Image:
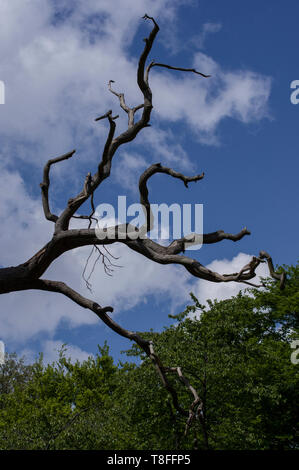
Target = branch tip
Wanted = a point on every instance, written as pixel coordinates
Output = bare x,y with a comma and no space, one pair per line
104,116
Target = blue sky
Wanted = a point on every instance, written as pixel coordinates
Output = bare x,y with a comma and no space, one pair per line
239,127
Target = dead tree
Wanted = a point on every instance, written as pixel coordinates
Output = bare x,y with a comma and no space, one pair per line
29,275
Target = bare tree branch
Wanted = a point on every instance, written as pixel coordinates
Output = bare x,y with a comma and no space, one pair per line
158,168
278,276
112,143
220,235
155,64
130,111
46,184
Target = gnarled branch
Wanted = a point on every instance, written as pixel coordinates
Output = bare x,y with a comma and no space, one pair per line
45,184
170,67
130,111
143,190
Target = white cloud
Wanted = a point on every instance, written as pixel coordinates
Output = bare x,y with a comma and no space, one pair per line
128,170
207,28
165,147
138,279
161,146
56,60
51,351
203,103
24,229
224,290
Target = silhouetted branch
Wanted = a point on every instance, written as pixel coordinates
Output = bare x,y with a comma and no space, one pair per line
170,67
46,184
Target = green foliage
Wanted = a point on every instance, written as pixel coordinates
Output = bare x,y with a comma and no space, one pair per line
236,353
14,372
37,415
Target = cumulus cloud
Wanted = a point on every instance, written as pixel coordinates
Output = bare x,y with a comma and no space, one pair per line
164,144
25,229
161,145
207,28
56,60
51,351
240,94
128,170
